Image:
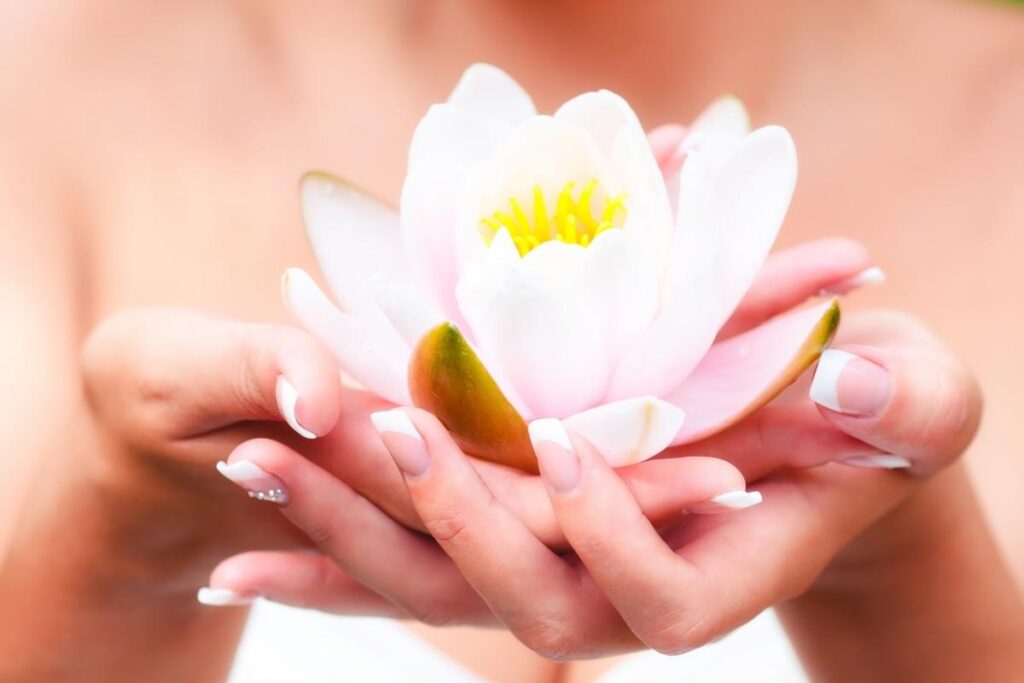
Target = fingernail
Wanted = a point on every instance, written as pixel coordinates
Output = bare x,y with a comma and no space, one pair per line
559,466
287,397
223,597
881,461
865,278
402,440
850,384
728,502
260,484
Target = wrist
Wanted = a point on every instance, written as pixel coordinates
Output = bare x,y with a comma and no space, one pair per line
923,590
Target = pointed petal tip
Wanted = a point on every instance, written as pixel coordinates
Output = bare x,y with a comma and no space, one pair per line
725,115
628,431
317,182
447,378
743,373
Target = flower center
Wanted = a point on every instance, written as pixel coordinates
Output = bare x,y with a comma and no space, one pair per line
572,222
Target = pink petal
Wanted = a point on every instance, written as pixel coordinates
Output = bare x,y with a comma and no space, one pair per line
554,321
743,373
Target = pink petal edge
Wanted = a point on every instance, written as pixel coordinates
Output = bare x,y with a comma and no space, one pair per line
743,373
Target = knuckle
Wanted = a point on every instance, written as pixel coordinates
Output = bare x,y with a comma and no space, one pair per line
248,387
550,638
449,527
677,638
428,613
104,350
122,380
323,532
675,629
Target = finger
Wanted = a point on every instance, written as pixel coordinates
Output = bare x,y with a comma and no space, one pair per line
301,579
639,573
664,489
170,374
749,558
533,591
791,276
913,400
369,546
780,436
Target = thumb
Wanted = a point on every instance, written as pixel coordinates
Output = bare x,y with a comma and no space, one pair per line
913,399
159,375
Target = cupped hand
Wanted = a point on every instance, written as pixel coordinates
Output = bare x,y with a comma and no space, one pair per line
630,583
172,391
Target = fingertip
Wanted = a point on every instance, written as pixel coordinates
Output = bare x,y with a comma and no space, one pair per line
308,389
287,399
223,597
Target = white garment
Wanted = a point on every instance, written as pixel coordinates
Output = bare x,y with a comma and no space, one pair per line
288,644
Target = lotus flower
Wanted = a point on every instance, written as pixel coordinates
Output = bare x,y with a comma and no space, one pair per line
542,266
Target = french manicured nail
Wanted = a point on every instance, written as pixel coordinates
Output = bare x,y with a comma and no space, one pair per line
260,484
287,397
728,501
403,441
850,384
223,597
881,461
865,278
559,465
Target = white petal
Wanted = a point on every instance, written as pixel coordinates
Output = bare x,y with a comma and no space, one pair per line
448,131
354,238
628,431
728,217
411,315
724,116
554,322
687,321
428,218
751,197
367,350
492,97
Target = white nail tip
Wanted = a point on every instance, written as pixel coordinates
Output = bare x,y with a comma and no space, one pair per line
738,500
287,397
222,597
865,278
394,421
886,462
824,386
549,429
241,471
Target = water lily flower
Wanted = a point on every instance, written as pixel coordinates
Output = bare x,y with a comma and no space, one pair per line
543,267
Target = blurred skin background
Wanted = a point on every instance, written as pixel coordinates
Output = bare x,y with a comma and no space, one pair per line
149,154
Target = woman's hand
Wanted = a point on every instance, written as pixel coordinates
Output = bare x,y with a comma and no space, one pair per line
627,585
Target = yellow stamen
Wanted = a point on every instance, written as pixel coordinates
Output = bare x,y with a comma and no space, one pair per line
583,206
540,215
573,221
522,222
570,236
